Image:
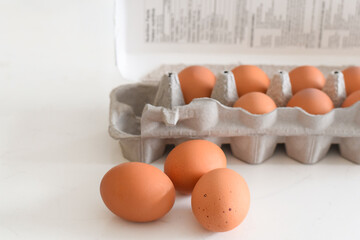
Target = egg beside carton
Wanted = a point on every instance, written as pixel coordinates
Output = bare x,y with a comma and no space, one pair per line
165,119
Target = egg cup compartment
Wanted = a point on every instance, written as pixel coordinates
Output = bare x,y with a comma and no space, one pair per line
147,116
253,149
307,149
350,149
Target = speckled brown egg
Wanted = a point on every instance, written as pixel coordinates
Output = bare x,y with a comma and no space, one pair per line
306,77
250,78
196,82
220,200
188,161
352,79
352,99
256,103
312,100
137,192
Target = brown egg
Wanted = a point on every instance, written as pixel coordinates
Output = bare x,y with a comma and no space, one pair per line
137,192
306,77
250,78
256,103
220,200
312,100
352,79
196,82
352,99
188,161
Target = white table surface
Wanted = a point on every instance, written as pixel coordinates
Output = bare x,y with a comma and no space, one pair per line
56,71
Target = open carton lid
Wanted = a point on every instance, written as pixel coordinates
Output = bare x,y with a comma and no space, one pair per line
150,33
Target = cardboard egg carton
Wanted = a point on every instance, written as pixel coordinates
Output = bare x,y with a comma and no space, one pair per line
147,116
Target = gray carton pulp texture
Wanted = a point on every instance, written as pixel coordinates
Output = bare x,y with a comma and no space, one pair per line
147,116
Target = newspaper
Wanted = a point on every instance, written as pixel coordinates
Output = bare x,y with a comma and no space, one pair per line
273,24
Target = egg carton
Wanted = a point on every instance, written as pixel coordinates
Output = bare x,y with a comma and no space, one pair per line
145,117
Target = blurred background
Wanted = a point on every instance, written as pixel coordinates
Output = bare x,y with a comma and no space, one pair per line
49,48
57,67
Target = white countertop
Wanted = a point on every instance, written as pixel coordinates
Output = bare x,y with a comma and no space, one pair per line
56,71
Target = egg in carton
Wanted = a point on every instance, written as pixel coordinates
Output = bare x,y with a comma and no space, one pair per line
147,116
